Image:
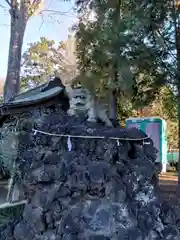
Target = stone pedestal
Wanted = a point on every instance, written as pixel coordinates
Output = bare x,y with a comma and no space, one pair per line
89,188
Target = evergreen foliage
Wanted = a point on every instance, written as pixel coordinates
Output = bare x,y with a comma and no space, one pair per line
45,58
164,106
116,50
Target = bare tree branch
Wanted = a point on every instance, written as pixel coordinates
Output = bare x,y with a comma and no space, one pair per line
166,43
8,2
4,25
51,13
56,12
42,21
2,6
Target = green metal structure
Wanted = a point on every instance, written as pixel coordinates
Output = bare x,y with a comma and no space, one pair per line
155,128
173,158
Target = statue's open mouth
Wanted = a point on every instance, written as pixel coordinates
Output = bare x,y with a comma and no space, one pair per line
79,104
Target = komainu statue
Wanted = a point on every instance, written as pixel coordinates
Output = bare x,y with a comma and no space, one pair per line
81,101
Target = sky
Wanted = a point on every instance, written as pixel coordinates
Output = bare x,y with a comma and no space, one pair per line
52,26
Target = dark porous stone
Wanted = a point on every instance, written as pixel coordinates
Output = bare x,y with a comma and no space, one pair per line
23,231
170,233
45,173
89,188
49,235
145,220
167,214
135,234
121,233
153,235
119,194
98,238
6,230
63,191
69,225
34,218
51,158
49,219
45,196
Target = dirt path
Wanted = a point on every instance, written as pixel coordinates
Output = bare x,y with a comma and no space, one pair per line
168,184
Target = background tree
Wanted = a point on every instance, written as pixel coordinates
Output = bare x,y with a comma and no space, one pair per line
38,62
20,12
164,106
167,36
114,51
44,59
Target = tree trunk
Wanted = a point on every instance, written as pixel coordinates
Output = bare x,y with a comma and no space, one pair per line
113,104
113,108
18,26
113,96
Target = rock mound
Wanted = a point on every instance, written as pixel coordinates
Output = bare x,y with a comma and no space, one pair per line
85,188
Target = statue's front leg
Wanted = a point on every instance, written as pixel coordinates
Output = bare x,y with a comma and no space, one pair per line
92,115
71,112
104,118
108,123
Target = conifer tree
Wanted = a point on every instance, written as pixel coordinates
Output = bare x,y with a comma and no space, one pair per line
153,46
115,52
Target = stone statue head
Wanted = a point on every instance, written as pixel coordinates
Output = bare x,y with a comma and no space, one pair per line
80,98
